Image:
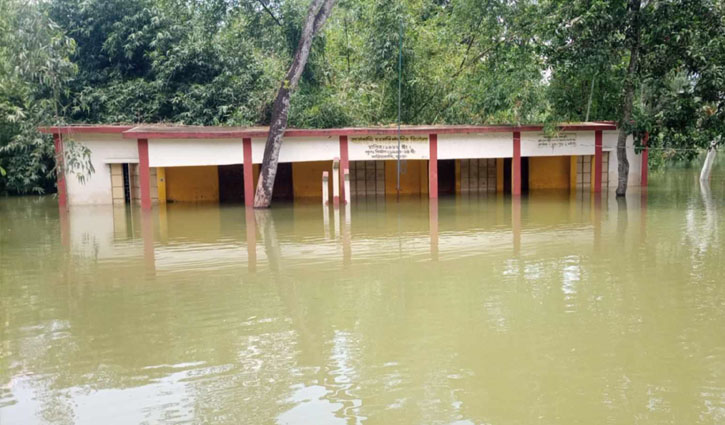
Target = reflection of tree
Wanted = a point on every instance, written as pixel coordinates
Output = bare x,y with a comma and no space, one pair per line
702,234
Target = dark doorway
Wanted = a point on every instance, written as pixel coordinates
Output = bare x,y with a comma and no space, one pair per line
283,189
447,177
507,175
126,184
231,183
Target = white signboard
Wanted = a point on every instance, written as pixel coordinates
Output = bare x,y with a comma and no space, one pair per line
571,143
386,147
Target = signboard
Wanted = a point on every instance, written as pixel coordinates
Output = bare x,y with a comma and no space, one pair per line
372,148
571,143
558,141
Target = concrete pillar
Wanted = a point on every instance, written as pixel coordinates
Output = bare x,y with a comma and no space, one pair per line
433,167
597,166
325,188
516,165
336,181
248,172
144,173
344,166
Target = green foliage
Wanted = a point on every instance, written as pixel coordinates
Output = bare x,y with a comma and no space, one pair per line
679,79
34,67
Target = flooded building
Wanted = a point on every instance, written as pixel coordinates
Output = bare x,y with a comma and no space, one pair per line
158,164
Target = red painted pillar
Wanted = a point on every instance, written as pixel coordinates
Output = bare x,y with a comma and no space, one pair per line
251,237
645,157
344,164
248,173
147,232
516,165
516,224
60,172
144,173
433,167
597,161
433,227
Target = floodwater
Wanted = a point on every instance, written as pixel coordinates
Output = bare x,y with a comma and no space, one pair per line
481,310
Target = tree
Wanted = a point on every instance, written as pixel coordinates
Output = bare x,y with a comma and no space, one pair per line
316,16
659,66
34,69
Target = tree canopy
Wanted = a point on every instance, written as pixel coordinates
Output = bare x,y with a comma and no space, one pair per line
219,62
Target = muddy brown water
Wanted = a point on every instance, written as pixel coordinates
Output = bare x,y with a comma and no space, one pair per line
555,309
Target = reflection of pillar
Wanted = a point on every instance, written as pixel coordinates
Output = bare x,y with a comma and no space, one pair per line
433,167
645,157
597,221
344,166
326,220
346,237
163,223
64,227
433,227
336,219
60,171
251,239
516,223
643,215
147,233
597,168
248,172
144,173
516,165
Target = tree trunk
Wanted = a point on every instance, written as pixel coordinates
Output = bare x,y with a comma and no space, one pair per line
633,36
316,17
709,159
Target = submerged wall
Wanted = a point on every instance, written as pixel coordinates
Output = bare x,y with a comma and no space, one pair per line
549,172
192,184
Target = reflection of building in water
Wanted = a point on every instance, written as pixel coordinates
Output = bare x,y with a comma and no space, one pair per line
159,164
204,237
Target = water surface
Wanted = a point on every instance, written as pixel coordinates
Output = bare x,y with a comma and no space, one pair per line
555,309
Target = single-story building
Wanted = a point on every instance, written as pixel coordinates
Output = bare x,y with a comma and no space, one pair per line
163,163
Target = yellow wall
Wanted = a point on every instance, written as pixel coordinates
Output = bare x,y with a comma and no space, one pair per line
307,178
410,177
572,172
192,184
161,183
549,172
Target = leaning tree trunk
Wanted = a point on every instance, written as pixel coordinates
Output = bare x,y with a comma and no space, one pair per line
316,17
628,98
709,159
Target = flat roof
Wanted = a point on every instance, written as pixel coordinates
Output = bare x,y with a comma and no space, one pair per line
220,132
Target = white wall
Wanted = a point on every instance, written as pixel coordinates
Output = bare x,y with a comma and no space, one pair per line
300,149
566,143
464,146
96,189
609,144
189,152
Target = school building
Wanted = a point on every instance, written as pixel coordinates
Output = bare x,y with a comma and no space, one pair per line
152,164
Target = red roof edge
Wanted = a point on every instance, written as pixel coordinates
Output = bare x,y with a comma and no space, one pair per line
81,129
151,132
